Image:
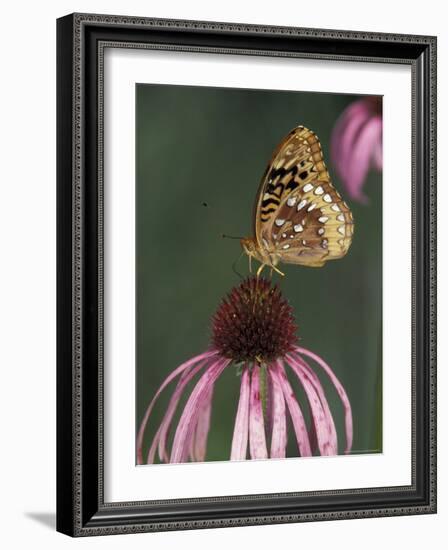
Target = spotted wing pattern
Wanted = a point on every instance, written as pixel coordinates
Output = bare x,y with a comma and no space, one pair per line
300,217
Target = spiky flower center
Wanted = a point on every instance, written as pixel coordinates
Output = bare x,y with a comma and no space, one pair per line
254,323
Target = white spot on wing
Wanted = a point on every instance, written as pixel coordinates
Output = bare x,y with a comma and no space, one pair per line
335,208
323,219
291,201
319,190
279,222
301,204
341,218
341,229
327,197
311,207
307,187
321,231
298,228
285,246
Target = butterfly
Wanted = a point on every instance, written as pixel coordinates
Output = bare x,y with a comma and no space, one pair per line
299,216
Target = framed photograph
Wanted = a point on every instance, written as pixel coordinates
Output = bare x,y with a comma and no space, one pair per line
246,274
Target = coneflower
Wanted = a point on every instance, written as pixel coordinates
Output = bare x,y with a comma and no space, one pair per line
253,330
357,144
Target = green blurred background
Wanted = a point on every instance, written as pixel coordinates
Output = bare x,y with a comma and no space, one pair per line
200,155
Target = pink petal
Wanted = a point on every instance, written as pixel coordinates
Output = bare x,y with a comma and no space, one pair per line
312,434
320,392
345,133
298,421
167,380
279,435
326,441
354,126
202,428
257,437
356,109
341,392
378,155
162,433
361,157
187,422
240,432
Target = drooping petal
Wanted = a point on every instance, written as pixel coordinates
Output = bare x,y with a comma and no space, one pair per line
320,392
378,156
312,434
354,110
354,127
345,134
187,422
361,157
279,435
295,412
172,376
327,442
341,392
202,428
162,433
241,429
257,437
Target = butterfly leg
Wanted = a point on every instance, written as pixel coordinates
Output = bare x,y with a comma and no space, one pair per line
277,270
260,269
273,267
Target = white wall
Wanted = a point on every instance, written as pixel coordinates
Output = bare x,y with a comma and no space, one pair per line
27,306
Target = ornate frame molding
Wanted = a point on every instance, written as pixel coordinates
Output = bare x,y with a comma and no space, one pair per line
82,39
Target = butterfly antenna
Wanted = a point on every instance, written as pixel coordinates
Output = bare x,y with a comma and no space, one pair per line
230,237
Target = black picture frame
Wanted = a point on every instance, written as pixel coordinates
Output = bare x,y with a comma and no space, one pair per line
81,39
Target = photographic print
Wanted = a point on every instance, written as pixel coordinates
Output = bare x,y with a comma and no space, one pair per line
258,274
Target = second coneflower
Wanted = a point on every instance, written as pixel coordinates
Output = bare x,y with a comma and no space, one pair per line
253,329
357,144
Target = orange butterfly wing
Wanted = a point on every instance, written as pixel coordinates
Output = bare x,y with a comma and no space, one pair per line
300,217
